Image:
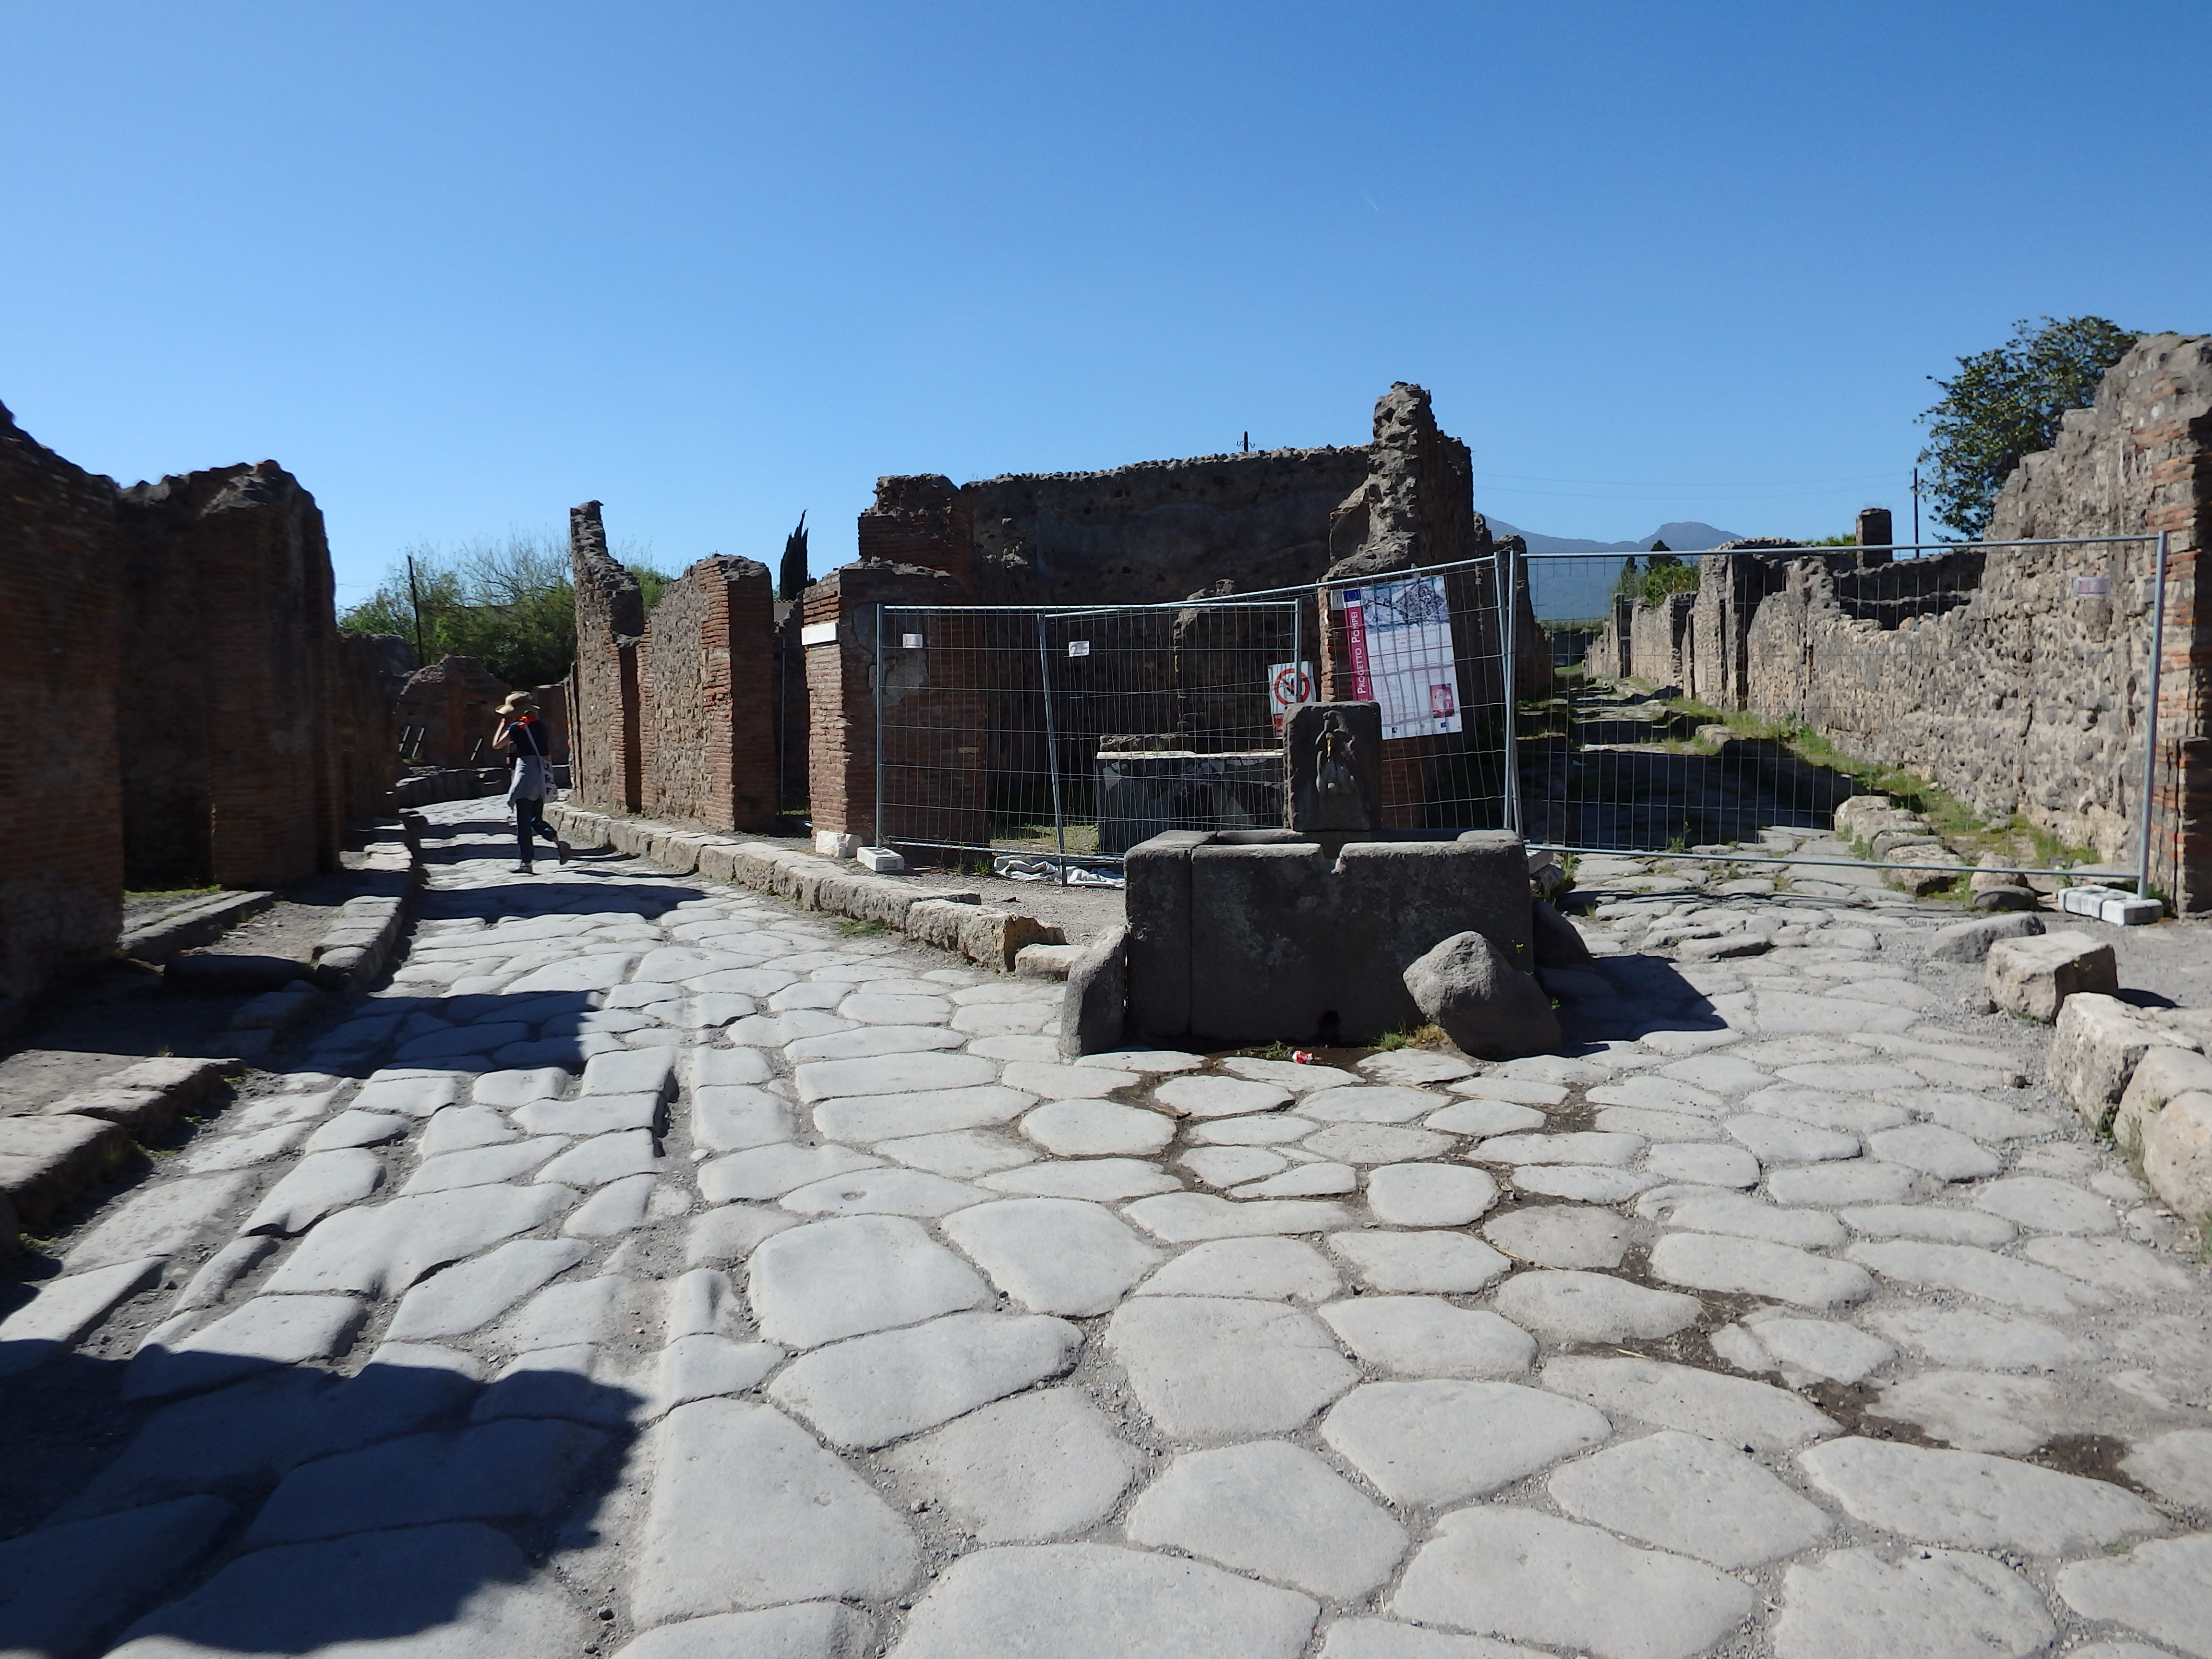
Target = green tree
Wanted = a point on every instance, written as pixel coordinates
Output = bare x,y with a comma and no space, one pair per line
1662,573
507,602
2006,403
790,575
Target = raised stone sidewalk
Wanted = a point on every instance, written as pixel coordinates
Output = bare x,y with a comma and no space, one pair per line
650,1269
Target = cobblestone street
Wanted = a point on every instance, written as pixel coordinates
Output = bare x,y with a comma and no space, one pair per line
651,1269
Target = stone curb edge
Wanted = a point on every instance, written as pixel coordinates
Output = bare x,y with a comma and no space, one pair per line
959,923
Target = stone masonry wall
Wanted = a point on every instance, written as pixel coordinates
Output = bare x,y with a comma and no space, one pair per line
61,819
606,746
452,709
707,698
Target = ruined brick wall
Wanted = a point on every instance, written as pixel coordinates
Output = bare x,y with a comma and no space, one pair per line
704,669
61,820
792,724
932,699
1655,641
607,747
364,718
1996,676
922,519
451,708
1159,531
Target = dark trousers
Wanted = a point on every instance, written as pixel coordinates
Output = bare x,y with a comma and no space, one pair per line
529,817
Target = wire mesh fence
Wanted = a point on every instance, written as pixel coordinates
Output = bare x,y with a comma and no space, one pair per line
1729,705
1071,735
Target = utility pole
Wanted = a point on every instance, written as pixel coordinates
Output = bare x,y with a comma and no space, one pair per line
1916,507
1248,443
414,596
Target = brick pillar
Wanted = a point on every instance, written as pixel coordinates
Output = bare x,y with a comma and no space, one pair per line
934,771
704,667
608,763
1874,530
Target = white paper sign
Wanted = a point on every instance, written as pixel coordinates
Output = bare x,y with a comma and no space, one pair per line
910,641
1078,647
1290,686
1398,636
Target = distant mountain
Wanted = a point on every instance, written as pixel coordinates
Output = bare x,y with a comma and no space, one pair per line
1575,589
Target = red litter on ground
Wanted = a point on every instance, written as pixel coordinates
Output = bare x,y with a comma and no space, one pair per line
1303,1056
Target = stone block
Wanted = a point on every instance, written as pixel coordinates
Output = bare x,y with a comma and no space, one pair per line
2094,1049
1332,754
1557,943
46,1161
2162,1074
142,1111
2177,1156
1095,1007
1970,941
2034,976
1485,1005
1851,813
978,933
1046,961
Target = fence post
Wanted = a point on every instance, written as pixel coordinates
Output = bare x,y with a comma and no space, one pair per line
1508,614
876,675
2150,724
1051,746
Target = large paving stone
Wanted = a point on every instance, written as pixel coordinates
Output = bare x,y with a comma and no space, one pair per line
1588,1147
2176,1466
1095,1601
884,1191
460,1591
1854,1181
1386,1638
1219,1097
1054,1256
810,1629
2112,1265
480,1166
1978,1272
588,1115
379,1250
1429,1194
1934,1149
1802,1350
602,1158
1303,1181
2043,1205
962,1154
830,1080
871,1118
158,1219
1786,1140
471,1295
702,1366
1272,1269
1974,1502
1485,1117
1085,1080
1375,1143
1427,1336
726,1235
1569,1306
1189,1218
60,1585
764,1172
510,1089
1370,1104
1264,1129
1974,1411
511,1471
1100,1180
1742,1217
853,1274
1517,1574
63,1310
1971,1338
1227,1166
1559,1236
1731,1409
1934,1603
1098,1128
1214,1367
408,1097
1752,1267
1685,1492
458,1128
269,1330
872,1390
871,1040
1420,1262
1583,1183
1705,1166
1273,1510
632,1072
1034,1466
352,1128
316,1186
747,1511
2163,1590
1938,1224
1441,1442
1289,1074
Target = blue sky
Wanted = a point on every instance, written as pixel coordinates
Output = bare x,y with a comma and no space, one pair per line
460,265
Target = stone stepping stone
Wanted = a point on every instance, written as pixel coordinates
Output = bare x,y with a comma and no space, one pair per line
1208,1367
1755,1266
1731,1409
1219,1097
884,1191
748,1510
379,1250
1098,1128
1372,1103
1980,1272
1103,1180
1054,1256
1561,1236
962,1154
871,1118
1528,1577
1429,1194
1427,1336
1922,1601
1022,1470
1096,1601
1974,1502
317,1185
1802,1350
1441,1442
1446,1263
1375,1143
1485,1117
768,1172
1273,1510
1269,1130
1189,1218
1272,1269
1566,1306
853,1275
872,1390
1692,1495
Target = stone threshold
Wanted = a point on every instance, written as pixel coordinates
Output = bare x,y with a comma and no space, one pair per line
959,922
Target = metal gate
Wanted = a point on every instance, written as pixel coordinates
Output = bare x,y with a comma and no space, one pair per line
1061,737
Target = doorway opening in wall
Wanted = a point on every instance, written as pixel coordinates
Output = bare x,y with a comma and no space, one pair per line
1937,718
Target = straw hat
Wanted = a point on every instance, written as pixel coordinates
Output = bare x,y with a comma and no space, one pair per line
516,702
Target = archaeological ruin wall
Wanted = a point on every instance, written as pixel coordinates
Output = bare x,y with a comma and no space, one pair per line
607,750
705,671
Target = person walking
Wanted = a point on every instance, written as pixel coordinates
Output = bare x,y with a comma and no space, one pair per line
521,738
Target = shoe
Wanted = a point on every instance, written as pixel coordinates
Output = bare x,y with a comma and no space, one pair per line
522,869
562,847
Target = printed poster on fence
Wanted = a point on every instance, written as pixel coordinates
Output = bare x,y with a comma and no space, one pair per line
1398,637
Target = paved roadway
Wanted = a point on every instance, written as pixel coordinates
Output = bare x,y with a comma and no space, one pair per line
652,1269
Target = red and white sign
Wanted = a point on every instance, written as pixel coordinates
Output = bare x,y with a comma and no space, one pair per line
1290,686
1398,641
